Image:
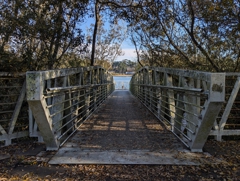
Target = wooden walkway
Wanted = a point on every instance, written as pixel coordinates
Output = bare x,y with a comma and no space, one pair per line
123,131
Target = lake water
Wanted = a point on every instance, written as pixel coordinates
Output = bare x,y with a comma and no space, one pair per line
121,82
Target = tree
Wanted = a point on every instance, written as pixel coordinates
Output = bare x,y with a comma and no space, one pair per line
121,66
191,33
41,32
105,8
133,40
97,9
109,43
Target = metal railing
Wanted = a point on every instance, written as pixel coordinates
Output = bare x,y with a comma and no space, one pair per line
13,107
61,100
186,101
228,121
176,97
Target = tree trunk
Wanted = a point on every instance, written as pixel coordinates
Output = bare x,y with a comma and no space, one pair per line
138,56
97,17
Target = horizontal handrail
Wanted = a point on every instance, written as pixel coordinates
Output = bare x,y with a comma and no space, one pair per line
173,88
70,88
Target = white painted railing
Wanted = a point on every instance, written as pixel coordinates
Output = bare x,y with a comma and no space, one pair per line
13,107
228,120
61,100
186,101
179,98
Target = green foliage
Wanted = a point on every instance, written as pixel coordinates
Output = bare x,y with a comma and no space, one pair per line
197,34
34,35
202,35
122,66
73,60
106,44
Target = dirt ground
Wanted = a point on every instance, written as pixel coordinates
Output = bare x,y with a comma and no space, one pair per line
24,163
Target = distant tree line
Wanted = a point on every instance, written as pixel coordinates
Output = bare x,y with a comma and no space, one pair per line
123,66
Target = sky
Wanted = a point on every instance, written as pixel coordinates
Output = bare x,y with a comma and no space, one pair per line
127,47
129,51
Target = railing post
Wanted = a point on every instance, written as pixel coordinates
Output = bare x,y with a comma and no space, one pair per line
58,107
141,95
16,112
87,94
191,111
87,102
228,108
35,97
158,94
179,112
150,90
154,93
68,107
171,101
145,82
95,81
212,106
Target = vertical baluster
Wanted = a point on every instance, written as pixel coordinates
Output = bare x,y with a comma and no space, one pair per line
179,125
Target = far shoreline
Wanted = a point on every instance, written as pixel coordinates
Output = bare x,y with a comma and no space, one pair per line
121,75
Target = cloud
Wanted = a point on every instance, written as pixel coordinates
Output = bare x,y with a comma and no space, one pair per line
129,53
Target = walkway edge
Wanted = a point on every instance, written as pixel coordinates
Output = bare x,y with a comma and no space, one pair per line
79,156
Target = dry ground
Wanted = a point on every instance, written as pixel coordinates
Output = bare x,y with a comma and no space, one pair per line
22,164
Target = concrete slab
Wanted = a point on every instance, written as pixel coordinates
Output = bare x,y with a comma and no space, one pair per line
44,156
4,156
79,156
